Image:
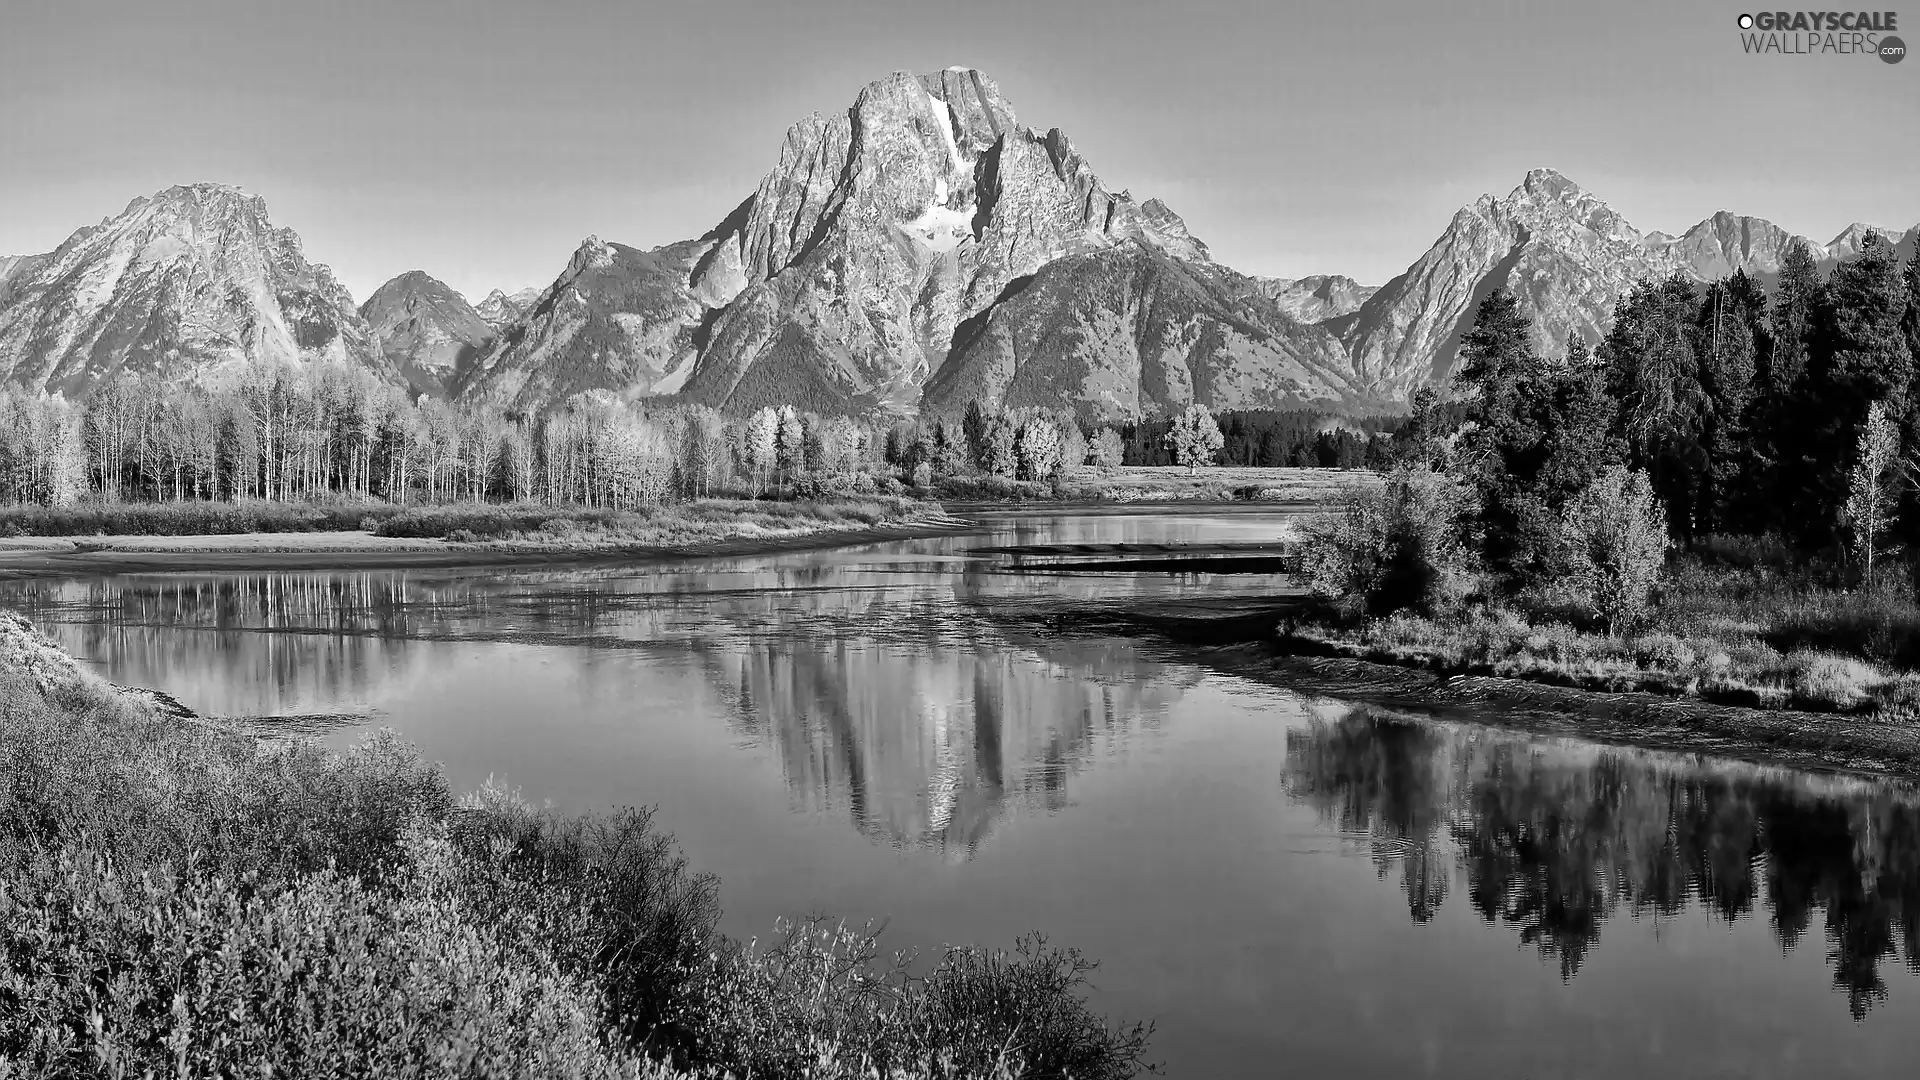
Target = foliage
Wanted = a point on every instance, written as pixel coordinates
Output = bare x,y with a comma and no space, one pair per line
1274,438
1616,535
1392,547
1870,495
180,899
189,518
332,432
1194,437
481,521
1534,433
978,1013
1105,450
1037,446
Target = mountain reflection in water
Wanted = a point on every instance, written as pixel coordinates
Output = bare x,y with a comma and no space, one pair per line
913,713
922,734
1555,837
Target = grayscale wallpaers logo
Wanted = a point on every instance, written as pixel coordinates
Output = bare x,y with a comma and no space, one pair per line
1823,33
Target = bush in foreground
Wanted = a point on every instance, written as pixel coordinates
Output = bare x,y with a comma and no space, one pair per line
177,899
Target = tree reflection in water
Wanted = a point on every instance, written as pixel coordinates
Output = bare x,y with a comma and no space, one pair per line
1554,837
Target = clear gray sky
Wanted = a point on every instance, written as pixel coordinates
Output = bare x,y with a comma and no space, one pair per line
481,141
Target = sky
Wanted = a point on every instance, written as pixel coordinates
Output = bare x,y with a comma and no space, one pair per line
481,142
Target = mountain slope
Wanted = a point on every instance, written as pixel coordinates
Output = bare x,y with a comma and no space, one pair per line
1727,242
1132,331
1568,257
500,310
190,283
848,271
616,319
1564,253
1317,297
427,332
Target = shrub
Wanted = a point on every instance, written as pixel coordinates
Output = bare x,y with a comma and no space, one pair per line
181,900
1393,547
1826,681
819,985
1616,537
323,976
186,518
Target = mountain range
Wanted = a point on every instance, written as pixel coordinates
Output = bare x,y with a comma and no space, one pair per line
921,250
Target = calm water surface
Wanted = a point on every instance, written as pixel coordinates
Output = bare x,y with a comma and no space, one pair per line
1285,884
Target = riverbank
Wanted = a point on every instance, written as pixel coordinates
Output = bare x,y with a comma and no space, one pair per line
1154,484
367,550
219,876
1249,638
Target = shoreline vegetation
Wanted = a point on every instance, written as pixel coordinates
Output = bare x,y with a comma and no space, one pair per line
1278,641
181,898
1716,507
472,534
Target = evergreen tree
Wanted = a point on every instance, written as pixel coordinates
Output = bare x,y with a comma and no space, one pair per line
1859,355
1502,451
974,427
1727,367
1578,430
1781,465
1654,373
1910,316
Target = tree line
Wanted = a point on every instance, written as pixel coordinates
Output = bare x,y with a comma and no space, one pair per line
335,431
1274,438
1744,413
1706,409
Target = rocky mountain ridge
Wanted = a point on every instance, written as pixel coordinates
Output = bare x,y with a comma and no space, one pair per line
848,273
918,251
428,332
1567,256
501,308
194,282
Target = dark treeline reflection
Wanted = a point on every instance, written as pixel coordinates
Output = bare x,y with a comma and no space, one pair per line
890,689
1554,838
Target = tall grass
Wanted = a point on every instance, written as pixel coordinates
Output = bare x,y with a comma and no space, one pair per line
677,523
189,518
178,899
1739,622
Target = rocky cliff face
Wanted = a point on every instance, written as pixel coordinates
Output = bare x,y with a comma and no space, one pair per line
1851,239
1131,331
1564,253
192,282
501,309
616,319
428,332
1317,297
842,281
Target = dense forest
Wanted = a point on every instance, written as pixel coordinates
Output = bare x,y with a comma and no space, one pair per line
1746,415
1706,413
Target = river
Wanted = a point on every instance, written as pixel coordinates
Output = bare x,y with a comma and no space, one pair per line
1284,884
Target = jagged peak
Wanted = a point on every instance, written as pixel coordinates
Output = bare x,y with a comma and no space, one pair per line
1853,234
1550,183
592,252
203,194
